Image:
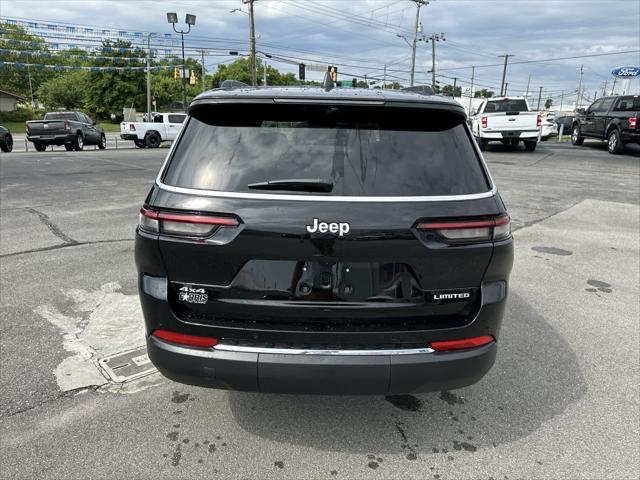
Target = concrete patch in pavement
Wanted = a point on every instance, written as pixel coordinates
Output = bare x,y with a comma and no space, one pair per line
97,326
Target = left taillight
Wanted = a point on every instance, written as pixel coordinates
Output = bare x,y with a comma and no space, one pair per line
633,123
497,228
539,121
187,225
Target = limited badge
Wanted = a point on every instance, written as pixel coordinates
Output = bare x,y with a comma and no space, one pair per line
193,295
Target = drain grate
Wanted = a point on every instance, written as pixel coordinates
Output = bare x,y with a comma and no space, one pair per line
126,366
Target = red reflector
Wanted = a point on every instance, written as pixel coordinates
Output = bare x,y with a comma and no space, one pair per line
184,339
539,121
633,122
484,122
448,345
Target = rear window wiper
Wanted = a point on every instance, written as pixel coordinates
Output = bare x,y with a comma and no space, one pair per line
295,185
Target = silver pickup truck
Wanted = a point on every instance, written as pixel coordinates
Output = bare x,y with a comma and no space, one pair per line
507,120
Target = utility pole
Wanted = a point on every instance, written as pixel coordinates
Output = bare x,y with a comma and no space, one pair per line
435,37
506,84
33,103
264,73
561,100
579,93
539,98
149,78
526,94
252,42
455,82
473,71
203,69
384,78
419,5
504,72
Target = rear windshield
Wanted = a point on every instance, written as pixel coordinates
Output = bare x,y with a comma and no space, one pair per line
361,151
506,105
61,116
628,104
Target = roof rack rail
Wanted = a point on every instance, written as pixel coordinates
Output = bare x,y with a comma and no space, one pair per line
232,85
421,89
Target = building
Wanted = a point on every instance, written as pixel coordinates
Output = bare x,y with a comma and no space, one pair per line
9,101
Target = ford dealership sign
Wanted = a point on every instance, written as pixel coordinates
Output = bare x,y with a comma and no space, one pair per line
626,72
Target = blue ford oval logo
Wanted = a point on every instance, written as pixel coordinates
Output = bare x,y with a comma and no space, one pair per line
626,72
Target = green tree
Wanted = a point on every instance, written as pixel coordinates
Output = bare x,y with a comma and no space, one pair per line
67,91
484,93
548,103
241,70
450,91
14,78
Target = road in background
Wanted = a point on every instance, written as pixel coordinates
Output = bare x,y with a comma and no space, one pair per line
561,402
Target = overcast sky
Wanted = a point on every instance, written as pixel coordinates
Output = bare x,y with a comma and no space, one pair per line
360,36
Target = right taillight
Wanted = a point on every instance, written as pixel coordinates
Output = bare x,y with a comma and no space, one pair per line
180,224
132,127
539,120
633,123
496,228
484,122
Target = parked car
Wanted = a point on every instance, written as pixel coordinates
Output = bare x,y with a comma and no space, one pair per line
74,130
165,127
614,119
549,129
309,241
507,120
6,140
567,122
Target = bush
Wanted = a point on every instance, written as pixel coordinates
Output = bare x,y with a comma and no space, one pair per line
22,114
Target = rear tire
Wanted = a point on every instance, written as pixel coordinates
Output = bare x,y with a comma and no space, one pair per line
614,144
576,139
78,143
6,144
530,146
482,144
140,143
152,140
68,147
103,142
39,146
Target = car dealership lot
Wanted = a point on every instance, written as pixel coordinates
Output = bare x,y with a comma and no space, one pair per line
561,401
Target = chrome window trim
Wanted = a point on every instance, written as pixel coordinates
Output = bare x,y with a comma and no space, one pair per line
300,351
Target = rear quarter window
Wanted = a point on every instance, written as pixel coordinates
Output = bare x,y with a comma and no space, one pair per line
362,151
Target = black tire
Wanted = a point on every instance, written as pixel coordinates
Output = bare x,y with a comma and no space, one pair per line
68,147
6,144
152,140
78,143
140,143
576,139
614,143
103,142
482,144
530,145
39,146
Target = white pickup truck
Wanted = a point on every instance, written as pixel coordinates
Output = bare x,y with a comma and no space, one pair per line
507,120
163,127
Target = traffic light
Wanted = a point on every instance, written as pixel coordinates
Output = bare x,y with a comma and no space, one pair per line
176,73
301,68
354,83
192,77
333,73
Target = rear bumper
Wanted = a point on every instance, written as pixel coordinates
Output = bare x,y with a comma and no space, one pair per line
509,134
56,138
374,374
629,136
129,136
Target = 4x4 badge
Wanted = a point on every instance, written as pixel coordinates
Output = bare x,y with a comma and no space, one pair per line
339,228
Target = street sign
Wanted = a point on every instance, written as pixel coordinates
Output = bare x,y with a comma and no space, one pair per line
626,72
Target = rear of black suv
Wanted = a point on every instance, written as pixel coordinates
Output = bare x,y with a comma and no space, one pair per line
342,242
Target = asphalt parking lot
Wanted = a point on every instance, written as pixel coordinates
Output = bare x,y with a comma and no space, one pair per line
562,400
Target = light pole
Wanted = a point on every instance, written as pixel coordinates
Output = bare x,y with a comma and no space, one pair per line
190,20
433,38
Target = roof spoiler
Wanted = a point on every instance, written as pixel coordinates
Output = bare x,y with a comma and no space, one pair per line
421,89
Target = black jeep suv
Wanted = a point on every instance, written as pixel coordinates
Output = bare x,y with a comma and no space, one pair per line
311,241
